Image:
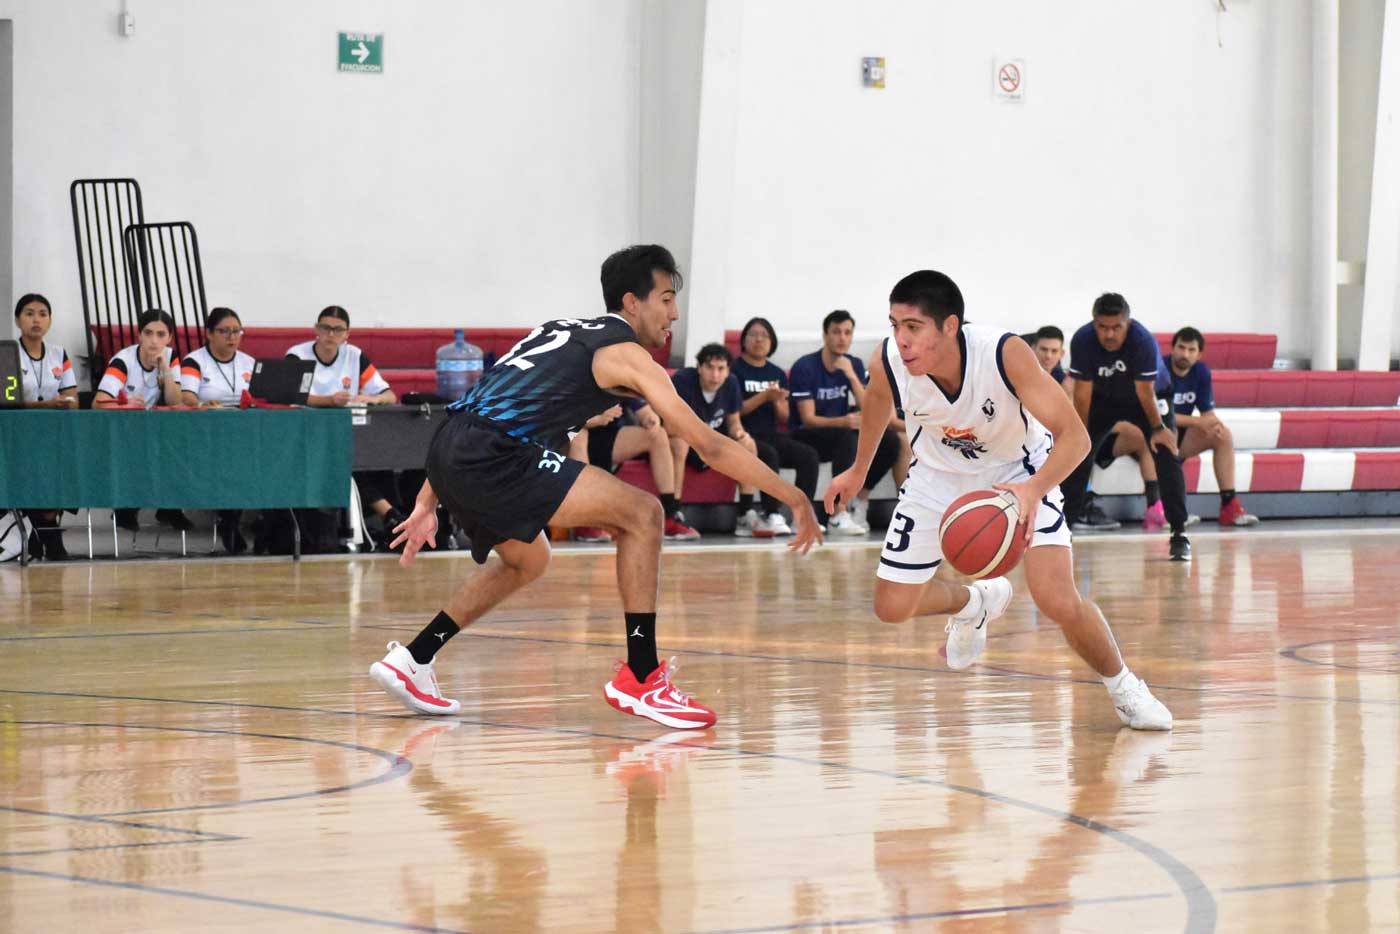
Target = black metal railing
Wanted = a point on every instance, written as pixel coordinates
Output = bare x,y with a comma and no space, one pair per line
166,272
103,208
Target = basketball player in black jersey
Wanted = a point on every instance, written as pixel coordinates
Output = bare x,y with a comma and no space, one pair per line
495,464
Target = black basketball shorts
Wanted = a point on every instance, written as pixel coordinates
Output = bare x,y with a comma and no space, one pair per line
495,487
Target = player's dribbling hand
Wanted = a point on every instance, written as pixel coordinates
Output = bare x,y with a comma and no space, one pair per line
419,529
1027,502
844,485
808,532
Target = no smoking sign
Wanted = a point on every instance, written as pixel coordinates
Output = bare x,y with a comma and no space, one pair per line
1009,79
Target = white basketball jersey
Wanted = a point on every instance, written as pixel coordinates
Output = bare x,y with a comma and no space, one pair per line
982,429
125,373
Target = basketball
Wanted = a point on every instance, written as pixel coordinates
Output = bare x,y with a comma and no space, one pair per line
979,535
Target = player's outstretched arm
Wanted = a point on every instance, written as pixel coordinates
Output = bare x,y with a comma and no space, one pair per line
877,408
628,366
420,528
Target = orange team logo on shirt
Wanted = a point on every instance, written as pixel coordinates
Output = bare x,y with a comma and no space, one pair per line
58,371
964,441
247,377
345,381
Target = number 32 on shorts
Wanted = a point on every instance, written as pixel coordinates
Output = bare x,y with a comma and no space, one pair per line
900,526
551,461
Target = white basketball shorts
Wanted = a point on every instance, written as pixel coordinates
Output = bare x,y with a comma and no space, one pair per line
912,552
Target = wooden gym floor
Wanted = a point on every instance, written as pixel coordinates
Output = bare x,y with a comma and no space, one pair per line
196,746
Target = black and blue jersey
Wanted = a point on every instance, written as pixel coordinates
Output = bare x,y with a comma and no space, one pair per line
544,388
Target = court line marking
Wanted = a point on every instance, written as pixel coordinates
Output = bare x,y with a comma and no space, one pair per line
170,632
1200,903
398,765
111,846
983,670
98,819
1293,652
934,915
229,900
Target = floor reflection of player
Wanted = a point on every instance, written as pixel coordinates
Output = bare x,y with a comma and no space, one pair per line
505,881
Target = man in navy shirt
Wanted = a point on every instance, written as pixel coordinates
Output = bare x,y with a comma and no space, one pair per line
823,384
713,395
765,389
1192,393
1119,375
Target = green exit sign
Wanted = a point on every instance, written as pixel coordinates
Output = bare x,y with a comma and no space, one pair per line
362,51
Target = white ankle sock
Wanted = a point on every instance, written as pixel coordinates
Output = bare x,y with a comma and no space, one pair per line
1118,680
973,608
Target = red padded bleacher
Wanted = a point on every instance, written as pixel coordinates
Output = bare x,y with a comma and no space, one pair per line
1377,470
389,348
701,486
1305,388
1339,429
1224,350
1232,351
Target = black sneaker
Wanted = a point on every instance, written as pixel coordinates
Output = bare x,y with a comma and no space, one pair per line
1094,519
175,519
126,519
52,542
1180,548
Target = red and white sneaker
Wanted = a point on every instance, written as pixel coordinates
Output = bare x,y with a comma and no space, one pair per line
411,684
1233,514
656,698
677,531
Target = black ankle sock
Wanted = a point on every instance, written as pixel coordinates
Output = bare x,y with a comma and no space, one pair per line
745,502
1152,492
668,504
641,644
1225,497
433,637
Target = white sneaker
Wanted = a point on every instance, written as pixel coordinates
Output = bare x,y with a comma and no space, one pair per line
411,684
968,637
858,509
1137,707
1192,519
843,523
776,524
748,524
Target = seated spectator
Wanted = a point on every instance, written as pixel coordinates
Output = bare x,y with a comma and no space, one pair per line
713,395
823,383
345,376
147,374
1049,346
1192,392
623,432
765,390
1120,376
216,376
46,382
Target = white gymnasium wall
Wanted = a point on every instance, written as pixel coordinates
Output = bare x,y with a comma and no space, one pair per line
478,181
1146,159
1359,72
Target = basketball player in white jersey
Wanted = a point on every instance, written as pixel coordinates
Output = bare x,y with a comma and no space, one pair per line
983,414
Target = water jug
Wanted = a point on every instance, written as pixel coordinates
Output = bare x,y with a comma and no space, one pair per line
458,366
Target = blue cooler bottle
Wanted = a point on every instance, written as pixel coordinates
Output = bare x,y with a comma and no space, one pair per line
458,367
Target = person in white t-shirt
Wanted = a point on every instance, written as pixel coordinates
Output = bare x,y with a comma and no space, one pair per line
217,374
213,377
985,415
46,382
46,373
345,376
146,373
